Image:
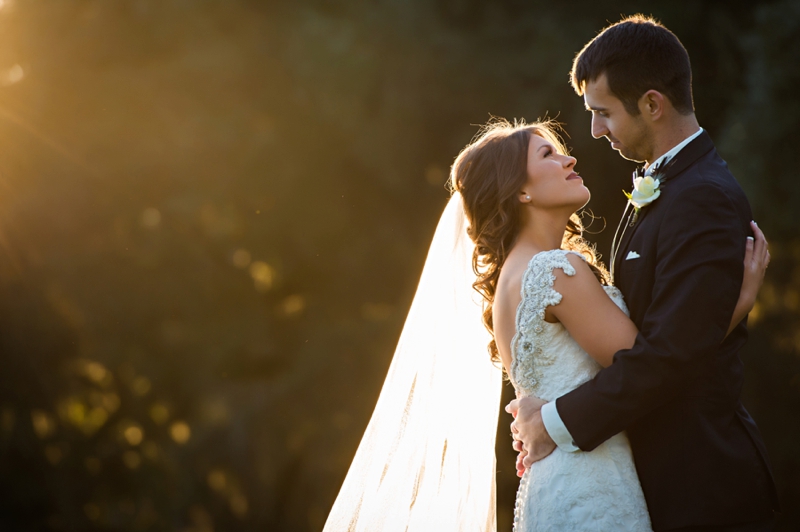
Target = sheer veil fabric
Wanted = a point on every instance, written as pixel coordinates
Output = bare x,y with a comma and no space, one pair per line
426,461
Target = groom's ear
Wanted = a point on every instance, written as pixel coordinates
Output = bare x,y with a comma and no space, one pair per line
652,104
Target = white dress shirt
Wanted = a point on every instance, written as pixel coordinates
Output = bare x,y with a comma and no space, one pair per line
552,421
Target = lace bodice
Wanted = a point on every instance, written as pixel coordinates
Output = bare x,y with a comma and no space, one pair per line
577,491
546,361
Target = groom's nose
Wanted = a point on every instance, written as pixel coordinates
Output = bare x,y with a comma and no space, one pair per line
599,128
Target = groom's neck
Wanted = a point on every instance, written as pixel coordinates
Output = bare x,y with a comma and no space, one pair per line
671,133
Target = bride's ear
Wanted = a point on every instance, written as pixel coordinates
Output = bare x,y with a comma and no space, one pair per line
524,197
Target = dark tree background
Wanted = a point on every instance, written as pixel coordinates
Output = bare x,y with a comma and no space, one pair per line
213,215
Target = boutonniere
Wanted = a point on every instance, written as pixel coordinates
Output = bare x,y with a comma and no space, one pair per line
646,189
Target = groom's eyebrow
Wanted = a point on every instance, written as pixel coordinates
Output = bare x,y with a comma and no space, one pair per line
590,108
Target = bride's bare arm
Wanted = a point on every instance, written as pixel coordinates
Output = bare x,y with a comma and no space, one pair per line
590,316
602,329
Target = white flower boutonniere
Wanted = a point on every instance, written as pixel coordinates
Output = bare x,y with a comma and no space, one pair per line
645,191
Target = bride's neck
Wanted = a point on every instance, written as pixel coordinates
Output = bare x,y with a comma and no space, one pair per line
543,229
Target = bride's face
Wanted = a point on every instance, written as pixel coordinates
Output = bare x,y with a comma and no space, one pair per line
552,182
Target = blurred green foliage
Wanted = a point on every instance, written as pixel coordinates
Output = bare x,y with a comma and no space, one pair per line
213,215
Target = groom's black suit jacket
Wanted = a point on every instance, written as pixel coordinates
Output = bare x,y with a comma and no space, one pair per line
698,453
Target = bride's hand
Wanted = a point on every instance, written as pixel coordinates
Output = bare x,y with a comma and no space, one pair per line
756,260
529,430
517,445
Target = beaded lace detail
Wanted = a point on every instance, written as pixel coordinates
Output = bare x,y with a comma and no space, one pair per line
596,491
538,345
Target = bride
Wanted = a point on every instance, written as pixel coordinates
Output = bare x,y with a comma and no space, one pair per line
426,461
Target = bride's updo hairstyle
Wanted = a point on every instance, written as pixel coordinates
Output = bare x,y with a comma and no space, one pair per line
490,173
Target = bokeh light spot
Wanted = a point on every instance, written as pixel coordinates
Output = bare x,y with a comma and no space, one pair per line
435,175
72,410
217,480
263,275
150,218
755,315
180,432
150,450
133,434
96,372
215,411
12,75
159,413
43,423
239,505
110,401
293,306
141,385
241,258
97,418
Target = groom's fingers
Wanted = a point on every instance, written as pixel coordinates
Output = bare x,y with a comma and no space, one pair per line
513,407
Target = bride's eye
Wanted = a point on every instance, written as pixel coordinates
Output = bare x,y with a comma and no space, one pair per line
547,152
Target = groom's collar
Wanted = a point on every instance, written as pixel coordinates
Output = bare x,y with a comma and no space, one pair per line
664,159
698,147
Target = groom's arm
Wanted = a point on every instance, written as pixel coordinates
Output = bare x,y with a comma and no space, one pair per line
697,282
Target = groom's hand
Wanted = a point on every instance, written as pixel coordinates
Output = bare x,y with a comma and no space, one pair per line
528,429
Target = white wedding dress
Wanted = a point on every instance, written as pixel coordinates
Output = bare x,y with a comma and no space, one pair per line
426,460
597,490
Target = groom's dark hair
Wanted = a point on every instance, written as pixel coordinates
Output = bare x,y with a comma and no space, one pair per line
637,54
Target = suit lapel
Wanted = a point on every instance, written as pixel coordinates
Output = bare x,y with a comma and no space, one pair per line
627,234
682,160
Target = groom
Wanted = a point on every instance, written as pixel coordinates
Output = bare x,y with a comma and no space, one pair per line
679,263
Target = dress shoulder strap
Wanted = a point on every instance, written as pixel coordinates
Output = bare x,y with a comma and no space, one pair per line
528,344
537,282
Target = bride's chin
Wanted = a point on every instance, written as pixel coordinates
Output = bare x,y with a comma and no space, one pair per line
584,200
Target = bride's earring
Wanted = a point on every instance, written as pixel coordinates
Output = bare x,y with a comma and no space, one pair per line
528,198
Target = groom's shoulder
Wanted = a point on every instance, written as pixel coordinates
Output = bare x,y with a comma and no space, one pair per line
710,179
711,173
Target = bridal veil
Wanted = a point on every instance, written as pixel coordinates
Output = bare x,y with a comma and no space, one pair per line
426,461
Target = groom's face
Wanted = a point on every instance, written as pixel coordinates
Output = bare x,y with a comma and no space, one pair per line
628,134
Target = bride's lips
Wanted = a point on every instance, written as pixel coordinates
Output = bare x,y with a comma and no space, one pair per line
574,175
